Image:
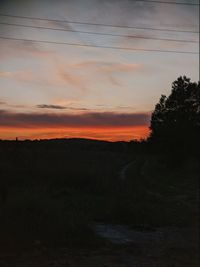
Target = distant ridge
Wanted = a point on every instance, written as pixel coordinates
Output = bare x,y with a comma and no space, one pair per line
71,144
81,140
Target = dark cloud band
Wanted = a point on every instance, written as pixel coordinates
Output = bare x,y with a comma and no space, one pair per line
45,106
90,119
51,106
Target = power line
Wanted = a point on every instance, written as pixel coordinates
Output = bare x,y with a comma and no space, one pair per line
97,24
99,33
168,2
100,46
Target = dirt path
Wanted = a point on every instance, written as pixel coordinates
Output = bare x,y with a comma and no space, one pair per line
125,247
122,173
164,246
123,234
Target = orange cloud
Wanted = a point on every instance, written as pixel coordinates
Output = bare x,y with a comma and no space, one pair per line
109,134
64,76
75,73
20,75
5,74
108,66
25,49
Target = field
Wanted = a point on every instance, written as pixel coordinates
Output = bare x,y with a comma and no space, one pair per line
55,193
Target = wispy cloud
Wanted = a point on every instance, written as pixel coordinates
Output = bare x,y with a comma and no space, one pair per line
79,74
58,75
5,74
106,70
30,49
64,75
20,75
108,66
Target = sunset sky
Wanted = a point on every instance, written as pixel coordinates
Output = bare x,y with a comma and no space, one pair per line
50,90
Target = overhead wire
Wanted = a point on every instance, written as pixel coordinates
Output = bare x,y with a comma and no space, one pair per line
99,33
168,2
99,46
98,24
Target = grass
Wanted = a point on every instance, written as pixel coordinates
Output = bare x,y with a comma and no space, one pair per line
160,195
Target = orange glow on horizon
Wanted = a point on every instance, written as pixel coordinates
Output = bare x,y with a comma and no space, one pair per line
103,133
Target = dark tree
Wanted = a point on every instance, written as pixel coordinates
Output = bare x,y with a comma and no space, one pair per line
176,118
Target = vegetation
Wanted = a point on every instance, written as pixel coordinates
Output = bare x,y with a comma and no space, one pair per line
56,188
175,121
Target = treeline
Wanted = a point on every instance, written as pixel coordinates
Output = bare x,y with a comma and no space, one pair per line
175,122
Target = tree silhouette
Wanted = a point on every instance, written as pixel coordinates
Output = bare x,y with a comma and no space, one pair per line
176,118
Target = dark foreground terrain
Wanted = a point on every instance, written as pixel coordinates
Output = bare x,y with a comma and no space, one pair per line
92,203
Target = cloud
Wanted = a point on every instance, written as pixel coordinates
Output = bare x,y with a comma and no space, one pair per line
25,49
109,134
5,74
58,75
89,119
20,75
113,67
120,67
69,78
51,106
2,102
74,73
45,106
64,75
109,70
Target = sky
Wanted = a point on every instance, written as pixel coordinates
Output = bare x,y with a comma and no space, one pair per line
53,90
